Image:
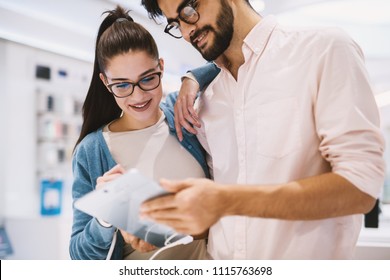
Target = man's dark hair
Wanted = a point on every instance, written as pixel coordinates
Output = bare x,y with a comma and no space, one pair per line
152,8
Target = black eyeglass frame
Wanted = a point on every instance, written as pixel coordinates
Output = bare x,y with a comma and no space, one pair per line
169,25
109,86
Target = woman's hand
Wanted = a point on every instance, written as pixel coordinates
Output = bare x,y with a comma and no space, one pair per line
137,244
110,175
185,115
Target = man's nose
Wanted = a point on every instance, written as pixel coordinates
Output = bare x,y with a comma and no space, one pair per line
187,30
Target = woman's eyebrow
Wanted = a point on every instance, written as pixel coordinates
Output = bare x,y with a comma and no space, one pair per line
147,72
140,75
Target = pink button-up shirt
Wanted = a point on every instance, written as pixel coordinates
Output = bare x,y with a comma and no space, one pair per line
301,106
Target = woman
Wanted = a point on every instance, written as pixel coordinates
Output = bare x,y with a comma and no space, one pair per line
126,126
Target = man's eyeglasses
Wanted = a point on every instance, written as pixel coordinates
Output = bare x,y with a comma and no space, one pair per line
187,14
125,88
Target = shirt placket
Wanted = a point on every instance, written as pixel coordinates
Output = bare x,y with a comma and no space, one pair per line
239,117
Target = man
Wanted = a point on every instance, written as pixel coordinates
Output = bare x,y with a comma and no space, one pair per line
292,129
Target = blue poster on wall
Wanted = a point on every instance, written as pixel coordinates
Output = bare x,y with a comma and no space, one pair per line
5,244
51,197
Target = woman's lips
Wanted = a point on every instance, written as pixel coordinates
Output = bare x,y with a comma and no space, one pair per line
140,107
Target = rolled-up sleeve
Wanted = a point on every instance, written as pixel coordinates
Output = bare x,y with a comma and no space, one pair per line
347,117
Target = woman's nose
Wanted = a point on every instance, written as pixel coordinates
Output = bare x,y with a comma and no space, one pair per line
137,93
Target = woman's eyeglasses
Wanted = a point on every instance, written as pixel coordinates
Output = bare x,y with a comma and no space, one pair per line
126,88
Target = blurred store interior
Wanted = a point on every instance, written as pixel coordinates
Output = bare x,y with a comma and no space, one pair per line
46,55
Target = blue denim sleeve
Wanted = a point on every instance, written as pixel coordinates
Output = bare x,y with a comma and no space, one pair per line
89,240
205,74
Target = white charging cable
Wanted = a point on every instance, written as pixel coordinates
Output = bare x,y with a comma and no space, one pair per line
185,240
113,242
182,241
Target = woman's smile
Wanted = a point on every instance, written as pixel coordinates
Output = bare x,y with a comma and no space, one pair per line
140,107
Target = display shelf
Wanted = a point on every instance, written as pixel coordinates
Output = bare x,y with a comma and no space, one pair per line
59,96
380,235
374,243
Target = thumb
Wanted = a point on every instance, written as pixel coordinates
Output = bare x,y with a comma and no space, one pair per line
119,169
173,186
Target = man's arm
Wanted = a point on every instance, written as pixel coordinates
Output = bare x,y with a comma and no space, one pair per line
199,203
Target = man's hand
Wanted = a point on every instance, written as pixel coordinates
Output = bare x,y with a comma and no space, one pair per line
194,206
137,244
185,115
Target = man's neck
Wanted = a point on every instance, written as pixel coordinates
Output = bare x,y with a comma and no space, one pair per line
244,21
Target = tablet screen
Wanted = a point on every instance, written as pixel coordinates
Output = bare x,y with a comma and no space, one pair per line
118,203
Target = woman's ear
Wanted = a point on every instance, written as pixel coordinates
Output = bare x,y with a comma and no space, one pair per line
103,78
161,63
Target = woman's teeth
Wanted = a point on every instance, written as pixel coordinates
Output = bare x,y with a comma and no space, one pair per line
140,105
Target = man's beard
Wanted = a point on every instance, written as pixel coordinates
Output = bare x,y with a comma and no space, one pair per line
222,37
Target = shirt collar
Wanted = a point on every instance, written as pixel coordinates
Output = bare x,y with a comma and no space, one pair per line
258,37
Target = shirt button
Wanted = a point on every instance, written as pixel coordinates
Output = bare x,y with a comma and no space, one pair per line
190,147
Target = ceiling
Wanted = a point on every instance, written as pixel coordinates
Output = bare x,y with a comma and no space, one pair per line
69,27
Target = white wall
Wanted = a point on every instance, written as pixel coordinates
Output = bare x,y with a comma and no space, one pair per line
19,126
2,117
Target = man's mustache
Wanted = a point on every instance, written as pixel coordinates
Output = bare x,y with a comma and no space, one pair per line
198,32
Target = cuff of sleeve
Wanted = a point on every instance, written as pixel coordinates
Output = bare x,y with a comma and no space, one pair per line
100,234
103,223
189,75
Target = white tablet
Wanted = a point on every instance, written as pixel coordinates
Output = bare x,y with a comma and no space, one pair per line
118,203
